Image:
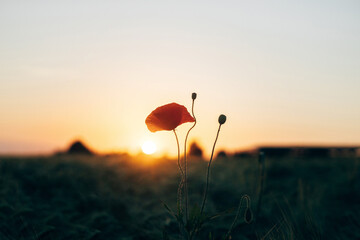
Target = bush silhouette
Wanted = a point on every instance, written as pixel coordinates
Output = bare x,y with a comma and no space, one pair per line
79,148
195,150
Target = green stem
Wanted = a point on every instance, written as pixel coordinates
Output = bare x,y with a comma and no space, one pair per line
208,172
179,197
185,168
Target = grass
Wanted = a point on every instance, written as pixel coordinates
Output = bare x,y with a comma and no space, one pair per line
120,197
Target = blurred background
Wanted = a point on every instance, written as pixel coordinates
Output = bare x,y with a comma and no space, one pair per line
282,72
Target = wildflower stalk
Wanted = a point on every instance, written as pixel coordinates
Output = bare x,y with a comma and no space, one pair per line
168,117
222,120
238,213
185,162
179,195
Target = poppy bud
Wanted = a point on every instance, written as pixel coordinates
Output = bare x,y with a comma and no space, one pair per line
248,215
193,96
222,119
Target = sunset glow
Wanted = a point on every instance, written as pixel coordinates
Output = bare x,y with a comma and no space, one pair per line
282,73
148,147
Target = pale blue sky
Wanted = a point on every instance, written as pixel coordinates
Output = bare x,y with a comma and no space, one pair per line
282,71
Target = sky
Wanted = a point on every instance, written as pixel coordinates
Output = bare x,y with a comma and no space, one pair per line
283,72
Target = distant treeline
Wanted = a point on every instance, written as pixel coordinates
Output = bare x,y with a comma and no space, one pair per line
299,152
195,150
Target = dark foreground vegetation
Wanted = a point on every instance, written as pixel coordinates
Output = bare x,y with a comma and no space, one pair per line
119,197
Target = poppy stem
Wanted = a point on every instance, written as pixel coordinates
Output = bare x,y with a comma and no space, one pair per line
208,172
179,195
185,167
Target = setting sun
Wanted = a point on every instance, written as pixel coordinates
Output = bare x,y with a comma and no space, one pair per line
148,147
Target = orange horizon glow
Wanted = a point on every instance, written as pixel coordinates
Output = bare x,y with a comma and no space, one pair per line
94,71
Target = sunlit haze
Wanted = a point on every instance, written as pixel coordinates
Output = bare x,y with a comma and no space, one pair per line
148,147
283,72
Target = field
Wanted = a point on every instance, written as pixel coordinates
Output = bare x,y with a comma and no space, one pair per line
120,197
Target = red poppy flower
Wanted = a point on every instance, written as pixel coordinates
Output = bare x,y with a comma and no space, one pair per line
168,117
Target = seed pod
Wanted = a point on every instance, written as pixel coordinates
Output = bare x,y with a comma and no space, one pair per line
222,119
193,96
248,216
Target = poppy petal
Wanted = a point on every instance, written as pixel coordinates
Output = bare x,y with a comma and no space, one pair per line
168,117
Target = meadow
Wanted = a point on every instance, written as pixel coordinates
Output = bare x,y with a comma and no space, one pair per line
121,197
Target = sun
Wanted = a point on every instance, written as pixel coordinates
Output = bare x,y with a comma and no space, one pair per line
148,147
